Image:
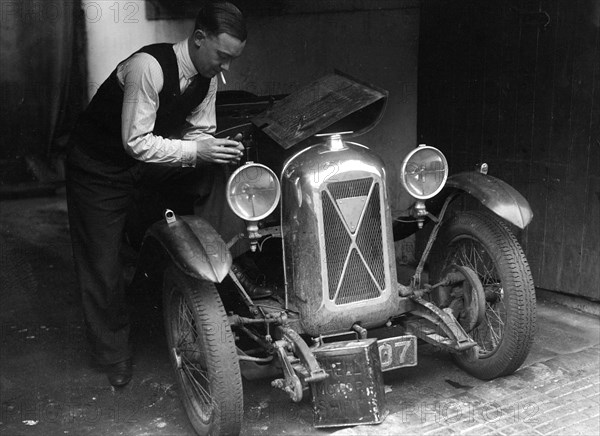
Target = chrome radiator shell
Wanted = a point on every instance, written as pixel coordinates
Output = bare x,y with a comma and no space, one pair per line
337,239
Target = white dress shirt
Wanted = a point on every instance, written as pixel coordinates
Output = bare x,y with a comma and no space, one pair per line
141,79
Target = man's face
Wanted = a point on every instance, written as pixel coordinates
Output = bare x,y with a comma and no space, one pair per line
212,54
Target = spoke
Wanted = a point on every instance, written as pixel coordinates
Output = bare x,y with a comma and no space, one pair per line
190,358
473,256
490,311
487,277
192,354
201,393
188,344
483,338
179,320
197,385
477,254
489,335
186,326
495,288
193,364
480,338
470,253
495,337
193,350
462,258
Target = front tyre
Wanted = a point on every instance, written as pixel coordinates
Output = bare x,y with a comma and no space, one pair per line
203,354
483,243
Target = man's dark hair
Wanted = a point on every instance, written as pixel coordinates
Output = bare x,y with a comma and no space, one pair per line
222,17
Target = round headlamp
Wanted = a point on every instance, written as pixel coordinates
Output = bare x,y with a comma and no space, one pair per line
253,191
424,172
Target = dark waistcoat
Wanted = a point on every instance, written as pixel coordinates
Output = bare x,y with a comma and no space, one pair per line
98,129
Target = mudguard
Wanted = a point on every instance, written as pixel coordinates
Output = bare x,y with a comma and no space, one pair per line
497,195
194,246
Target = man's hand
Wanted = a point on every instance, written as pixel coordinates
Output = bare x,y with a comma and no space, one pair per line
221,151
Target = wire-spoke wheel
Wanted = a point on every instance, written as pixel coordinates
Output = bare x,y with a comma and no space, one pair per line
483,243
203,354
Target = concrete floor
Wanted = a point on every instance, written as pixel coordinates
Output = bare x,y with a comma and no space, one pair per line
49,388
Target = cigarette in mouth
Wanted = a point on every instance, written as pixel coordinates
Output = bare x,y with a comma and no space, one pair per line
223,78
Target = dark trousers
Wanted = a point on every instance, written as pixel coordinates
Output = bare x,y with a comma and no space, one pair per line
100,197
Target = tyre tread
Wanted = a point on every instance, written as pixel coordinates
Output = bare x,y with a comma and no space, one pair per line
221,351
519,291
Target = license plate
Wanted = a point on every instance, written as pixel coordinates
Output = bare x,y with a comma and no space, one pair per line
397,352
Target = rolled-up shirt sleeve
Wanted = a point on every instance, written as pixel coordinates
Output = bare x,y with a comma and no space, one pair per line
141,79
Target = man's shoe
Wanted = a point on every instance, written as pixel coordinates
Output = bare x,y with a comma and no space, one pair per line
119,374
252,289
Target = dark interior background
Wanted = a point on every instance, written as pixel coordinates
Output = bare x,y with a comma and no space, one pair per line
514,83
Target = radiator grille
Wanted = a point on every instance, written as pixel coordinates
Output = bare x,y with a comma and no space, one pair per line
357,284
352,188
354,257
337,243
369,240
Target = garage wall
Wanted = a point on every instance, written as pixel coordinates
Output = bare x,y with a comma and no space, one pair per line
517,84
379,47
115,29
287,50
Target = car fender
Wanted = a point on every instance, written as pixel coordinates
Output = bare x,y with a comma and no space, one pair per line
495,194
193,245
